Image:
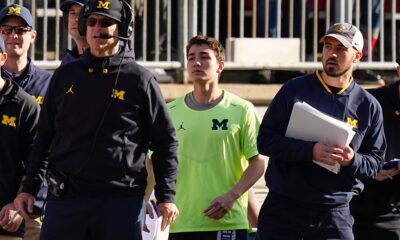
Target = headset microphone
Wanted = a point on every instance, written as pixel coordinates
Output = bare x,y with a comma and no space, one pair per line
108,36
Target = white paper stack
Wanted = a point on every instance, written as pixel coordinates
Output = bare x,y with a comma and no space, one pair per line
309,124
154,225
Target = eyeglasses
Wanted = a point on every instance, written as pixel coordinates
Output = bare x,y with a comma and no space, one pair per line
103,22
7,30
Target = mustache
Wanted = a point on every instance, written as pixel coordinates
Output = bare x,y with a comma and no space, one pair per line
332,60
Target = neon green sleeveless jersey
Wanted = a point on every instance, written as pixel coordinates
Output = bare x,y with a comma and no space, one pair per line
214,146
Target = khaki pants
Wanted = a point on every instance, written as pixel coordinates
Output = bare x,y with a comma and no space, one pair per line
32,229
2,237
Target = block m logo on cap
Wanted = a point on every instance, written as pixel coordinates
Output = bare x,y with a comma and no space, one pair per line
340,28
14,11
103,4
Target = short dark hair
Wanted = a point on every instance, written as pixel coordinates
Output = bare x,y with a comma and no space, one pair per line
213,43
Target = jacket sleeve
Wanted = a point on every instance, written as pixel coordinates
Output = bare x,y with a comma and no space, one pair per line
29,116
45,131
163,143
368,159
271,140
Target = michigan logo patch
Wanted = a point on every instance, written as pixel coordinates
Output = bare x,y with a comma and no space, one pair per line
14,11
39,99
103,5
352,122
219,125
118,94
340,28
9,120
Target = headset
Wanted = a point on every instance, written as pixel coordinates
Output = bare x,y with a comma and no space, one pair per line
125,27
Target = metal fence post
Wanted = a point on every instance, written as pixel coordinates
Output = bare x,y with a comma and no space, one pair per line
183,38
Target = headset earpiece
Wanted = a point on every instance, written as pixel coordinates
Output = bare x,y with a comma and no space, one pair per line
126,26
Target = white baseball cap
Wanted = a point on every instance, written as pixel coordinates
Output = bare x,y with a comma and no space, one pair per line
347,34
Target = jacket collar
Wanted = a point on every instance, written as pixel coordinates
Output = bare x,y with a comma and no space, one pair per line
26,74
344,91
73,52
123,56
9,92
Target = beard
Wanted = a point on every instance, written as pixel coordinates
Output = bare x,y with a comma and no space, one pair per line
332,72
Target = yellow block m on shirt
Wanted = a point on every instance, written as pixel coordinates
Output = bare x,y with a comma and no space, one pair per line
8,120
352,122
118,94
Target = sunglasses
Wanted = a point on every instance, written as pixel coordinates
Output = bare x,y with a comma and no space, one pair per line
103,22
7,30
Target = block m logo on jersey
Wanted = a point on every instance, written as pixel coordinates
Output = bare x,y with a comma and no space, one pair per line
14,11
118,94
8,121
223,125
39,99
352,122
103,4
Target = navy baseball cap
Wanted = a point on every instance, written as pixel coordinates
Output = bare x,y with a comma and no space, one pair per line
69,3
111,9
18,11
2,46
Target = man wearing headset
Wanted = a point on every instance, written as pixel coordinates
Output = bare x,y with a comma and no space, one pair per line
71,9
102,114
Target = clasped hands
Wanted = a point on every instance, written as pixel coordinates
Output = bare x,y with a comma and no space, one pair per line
333,154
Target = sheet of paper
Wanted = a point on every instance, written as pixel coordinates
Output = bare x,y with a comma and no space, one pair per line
161,235
309,124
154,225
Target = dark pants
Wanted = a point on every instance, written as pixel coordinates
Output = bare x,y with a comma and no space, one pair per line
212,235
287,219
94,218
371,232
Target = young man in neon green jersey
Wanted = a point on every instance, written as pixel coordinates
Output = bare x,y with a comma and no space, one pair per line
218,157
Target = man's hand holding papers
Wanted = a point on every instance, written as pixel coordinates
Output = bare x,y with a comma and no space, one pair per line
332,155
332,136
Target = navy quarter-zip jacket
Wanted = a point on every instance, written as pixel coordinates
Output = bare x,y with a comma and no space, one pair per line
33,80
291,171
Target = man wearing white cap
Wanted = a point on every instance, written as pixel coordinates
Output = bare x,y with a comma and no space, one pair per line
305,200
